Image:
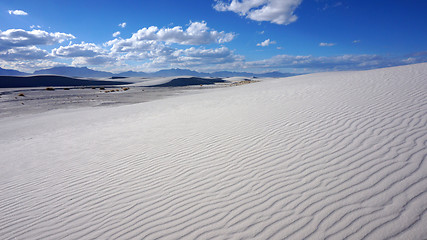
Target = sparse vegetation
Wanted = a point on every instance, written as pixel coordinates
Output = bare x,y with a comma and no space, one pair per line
66,88
243,82
21,95
102,88
50,89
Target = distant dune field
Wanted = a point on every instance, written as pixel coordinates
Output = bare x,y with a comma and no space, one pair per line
337,155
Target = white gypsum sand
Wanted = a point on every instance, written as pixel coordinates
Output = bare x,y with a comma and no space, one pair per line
329,155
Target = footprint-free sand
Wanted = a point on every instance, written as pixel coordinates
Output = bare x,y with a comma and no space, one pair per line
338,155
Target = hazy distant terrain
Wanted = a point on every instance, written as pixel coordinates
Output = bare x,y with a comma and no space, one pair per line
86,72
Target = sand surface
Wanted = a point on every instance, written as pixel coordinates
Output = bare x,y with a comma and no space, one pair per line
323,156
28,100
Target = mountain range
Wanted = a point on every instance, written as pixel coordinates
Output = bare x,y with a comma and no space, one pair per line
10,72
86,72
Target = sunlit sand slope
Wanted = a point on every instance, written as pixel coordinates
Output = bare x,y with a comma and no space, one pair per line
323,156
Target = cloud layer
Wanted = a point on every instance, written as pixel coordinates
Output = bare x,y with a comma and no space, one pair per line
154,47
274,11
333,63
197,33
195,46
20,38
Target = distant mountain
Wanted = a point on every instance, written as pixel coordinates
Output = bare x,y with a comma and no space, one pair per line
10,72
86,72
177,72
162,73
224,74
246,74
131,74
186,72
73,72
275,74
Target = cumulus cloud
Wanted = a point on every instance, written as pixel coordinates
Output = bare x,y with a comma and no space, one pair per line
274,11
116,34
323,44
356,41
79,50
85,54
93,61
24,53
17,12
200,56
134,47
35,26
155,47
197,33
266,43
195,58
122,25
29,66
20,38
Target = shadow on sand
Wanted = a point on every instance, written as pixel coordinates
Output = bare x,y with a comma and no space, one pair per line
52,81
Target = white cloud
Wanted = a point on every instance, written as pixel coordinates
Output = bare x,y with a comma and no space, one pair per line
199,58
274,11
35,26
356,41
79,50
116,34
17,12
93,61
133,45
20,38
323,44
197,33
122,25
266,43
202,56
24,53
29,66
153,45
85,54
330,63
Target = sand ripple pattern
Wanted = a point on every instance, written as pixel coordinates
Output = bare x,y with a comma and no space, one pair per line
323,156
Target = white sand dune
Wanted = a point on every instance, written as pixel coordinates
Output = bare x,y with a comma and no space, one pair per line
323,156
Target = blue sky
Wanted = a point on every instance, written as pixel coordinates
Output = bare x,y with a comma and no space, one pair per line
213,35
